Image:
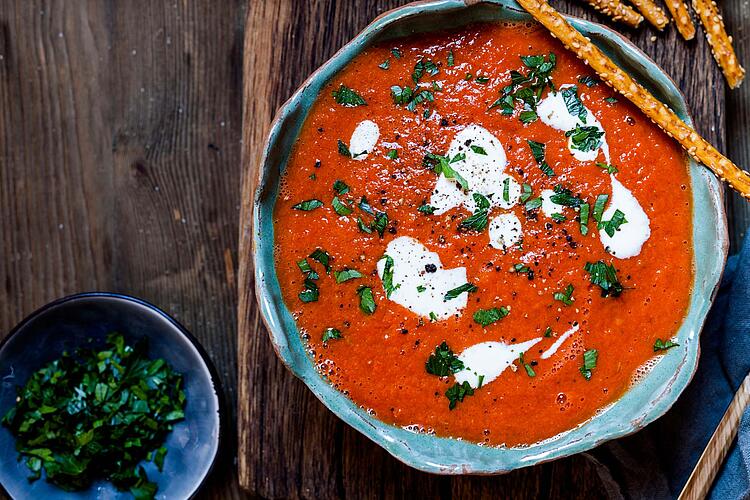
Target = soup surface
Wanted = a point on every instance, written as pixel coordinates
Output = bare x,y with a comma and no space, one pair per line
479,239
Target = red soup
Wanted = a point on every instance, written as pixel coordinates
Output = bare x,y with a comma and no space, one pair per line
479,239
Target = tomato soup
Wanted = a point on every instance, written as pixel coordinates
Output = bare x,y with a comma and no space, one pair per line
479,239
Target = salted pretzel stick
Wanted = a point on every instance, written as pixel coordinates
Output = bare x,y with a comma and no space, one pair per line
694,144
652,13
682,20
720,42
618,11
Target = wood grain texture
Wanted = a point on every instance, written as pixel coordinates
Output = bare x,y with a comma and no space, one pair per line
290,445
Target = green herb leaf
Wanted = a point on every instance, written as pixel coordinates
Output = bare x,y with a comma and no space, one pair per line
573,103
320,255
533,204
605,277
660,345
478,150
537,149
340,207
331,334
585,138
396,53
548,332
388,276
589,363
526,193
344,149
558,217
610,169
565,197
457,393
611,100
380,223
385,64
455,292
529,370
566,296
612,225
441,165
426,209
340,187
584,217
506,189
366,300
589,80
346,275
392,154
486,317
443,362
450,59
599,204
347,97
528,116
308,205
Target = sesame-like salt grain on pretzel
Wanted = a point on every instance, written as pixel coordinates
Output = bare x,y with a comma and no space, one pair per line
659,113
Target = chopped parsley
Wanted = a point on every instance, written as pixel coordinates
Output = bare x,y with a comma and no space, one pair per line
563,196
405,96
396,53
523,269
605,277
455,292
565,296
583,215
548,332
443,362
451,60
589,80
340,207
660,345
585,138
96,414
392,154
526,192
344,149
346,274
537,149
558,217
527,89
388,276
310,293
589,363
611,100
442,165
340,187
424,66
506,189
385,64
366,207
529,370
610,169
426,209
366,300
421,288
486,317
599,204
380,223
320,255
308,205
482,80
533,204
458,392
573,103
331,334
478,220
612,225
347,97
362,226
478,150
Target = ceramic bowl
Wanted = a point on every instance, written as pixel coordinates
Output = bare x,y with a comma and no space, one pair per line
69,323
646,401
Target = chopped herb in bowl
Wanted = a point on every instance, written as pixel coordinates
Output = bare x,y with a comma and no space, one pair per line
96,415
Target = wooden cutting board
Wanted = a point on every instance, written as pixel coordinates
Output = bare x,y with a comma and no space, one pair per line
289,444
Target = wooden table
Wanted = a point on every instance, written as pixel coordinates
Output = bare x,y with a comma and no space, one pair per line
120,166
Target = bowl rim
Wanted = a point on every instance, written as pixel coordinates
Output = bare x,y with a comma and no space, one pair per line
213,374
716,189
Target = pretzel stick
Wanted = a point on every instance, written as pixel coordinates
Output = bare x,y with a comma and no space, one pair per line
689,139
618,11
682,19
652,13
720,42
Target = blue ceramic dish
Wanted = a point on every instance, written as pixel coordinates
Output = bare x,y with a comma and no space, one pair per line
68,323
644,402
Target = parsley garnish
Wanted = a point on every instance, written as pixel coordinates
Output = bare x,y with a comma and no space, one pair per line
525,192
346,275
96,415
482,80
366,207
421,288
441,165
573,103
612,225
528,116
610,100
385,64
478,150
310,293
589,80
537,149
392,154
426,209
331,334
566,296
450,58
478,220
527,89
610,169
443,362
405,96
457,393
660,345
366,300
486,317
344,149
506,189
548,332
308,205
455,292
589,363
605,277
340,207
380,223
362,226
388,276
523,269
583,215
396,53
320,255
347,97
533,204
529,370
558,217
563,196
424,66
599,204
585,138
340,187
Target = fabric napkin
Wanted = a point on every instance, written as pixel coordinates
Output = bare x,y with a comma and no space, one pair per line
657,461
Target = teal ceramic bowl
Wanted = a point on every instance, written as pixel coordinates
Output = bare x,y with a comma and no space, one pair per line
642,404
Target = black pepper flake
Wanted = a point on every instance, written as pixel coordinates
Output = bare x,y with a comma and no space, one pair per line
404,331
630,120
430,268
320,129
318,163
533,363
392,230
444,122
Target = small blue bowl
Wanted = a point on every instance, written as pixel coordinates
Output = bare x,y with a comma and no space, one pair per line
71,322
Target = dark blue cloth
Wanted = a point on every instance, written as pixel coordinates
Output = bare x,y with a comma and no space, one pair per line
656,462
